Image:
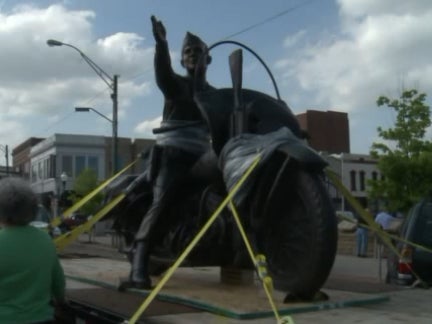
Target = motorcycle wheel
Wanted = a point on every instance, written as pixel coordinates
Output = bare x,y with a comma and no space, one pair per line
298,234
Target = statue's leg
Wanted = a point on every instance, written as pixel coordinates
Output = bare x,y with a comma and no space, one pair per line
173,168
139,275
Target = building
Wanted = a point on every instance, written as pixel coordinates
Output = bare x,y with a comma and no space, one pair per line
354,170
328,130
21,157
52,164
329,134
68,154
43,161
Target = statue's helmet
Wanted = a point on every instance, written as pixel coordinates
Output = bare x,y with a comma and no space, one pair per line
192,40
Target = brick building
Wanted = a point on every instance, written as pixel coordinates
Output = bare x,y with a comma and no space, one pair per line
328,130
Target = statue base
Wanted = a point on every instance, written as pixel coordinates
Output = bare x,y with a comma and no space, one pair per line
237,276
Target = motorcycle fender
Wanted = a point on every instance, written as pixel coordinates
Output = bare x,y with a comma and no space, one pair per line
302,153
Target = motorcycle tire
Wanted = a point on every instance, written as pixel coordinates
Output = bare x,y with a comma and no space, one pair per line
298,234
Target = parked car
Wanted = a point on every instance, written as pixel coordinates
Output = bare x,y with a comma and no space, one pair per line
417,228
73,221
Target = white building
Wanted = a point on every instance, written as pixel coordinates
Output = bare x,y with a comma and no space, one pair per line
354,170
65,153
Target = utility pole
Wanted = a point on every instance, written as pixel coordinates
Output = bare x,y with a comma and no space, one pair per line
7,160
5,149
115,125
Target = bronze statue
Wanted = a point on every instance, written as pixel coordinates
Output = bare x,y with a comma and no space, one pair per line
284,205
181,140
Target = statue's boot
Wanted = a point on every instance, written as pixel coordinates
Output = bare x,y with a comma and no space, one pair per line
139,277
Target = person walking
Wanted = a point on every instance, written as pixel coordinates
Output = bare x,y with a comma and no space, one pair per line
384,219
31,277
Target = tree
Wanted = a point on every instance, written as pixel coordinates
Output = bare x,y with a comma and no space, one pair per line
84,184
405,156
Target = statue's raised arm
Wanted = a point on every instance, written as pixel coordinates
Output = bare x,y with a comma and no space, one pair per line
159,31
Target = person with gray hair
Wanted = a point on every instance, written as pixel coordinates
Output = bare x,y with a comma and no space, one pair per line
31,277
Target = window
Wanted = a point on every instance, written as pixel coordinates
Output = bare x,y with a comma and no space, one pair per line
52,166
34,173
374,175
45,168
362,181
75,165
80,164
93,163
67,165
40,170
353,180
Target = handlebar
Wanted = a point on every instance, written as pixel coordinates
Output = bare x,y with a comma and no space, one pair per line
254,54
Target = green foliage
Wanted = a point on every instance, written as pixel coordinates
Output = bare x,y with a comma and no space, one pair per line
83,185
405,156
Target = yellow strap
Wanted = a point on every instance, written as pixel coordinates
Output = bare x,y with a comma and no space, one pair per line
286,320
394,237
359,209
371,224
192,244
261,265
63,240
56,221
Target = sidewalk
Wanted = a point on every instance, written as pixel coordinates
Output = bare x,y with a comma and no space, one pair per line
348,274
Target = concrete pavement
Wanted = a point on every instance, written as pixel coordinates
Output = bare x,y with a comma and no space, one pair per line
349,274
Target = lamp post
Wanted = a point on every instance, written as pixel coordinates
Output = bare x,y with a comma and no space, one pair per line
114,128
63,178
5,149
61,202
342,178
112,84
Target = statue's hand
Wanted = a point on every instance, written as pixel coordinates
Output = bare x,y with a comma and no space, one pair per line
159,31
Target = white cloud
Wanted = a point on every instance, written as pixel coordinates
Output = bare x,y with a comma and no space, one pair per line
381,42
360,8
145,128
40,83
292,40
10,132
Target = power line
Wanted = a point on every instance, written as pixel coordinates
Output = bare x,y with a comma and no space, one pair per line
263,22
56,123
244,30
267,20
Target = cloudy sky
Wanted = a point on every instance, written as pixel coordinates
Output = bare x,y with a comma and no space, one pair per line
325,55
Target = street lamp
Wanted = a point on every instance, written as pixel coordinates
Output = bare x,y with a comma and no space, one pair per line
5,149
87,109
112,84
63,178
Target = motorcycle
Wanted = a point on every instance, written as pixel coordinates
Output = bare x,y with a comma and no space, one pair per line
284,205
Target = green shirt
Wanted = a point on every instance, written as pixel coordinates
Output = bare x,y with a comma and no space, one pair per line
30,275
